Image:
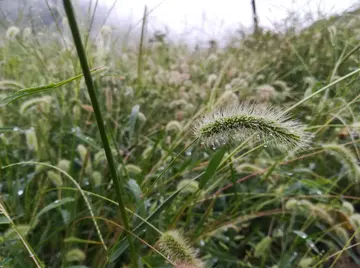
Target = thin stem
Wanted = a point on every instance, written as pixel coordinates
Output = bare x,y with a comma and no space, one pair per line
99,119
322,89
32,253
141,49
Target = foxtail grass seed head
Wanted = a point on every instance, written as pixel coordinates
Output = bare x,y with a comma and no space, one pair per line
133,169
291,204
341,233
306,262
173,245
347,208
355,221
347,158
96,178
260,122
323,215
3,139
263,247
75,255
26,33
11,233
188,186
142,118
12,32
173,126
31,140
55,178
82,152
64,165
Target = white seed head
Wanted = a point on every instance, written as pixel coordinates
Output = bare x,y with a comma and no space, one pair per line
31,140
12,32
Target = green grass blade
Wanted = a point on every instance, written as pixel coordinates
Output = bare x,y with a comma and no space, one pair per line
123,244
213,165
35,90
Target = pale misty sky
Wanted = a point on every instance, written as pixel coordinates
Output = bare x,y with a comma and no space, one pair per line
212,18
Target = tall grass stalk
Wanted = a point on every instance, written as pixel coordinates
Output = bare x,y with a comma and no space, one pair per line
99,119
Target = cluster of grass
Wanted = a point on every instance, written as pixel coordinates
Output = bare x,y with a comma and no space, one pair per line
179,199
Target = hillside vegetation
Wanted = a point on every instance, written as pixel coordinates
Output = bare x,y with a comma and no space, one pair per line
270,184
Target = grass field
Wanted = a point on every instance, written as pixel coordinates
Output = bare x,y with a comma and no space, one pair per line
165,155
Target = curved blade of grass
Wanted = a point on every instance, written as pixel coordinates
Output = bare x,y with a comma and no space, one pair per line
34,90
77,186
212,167
28,247
123,244
322,89
54,205
137,237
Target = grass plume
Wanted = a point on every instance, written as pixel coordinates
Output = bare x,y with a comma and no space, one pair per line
263,123
173,244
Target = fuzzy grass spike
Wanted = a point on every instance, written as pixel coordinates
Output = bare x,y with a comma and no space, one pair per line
174,245
347,158
263,123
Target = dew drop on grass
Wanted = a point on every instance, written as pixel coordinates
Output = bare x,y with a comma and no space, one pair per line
188,153
265,146
16,129
20,192
202,243
56,201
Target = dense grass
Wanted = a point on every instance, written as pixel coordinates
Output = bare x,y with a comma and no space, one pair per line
244,204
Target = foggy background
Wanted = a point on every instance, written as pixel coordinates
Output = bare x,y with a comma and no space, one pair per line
192,21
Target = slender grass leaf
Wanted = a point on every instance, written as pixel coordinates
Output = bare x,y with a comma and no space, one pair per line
34,90
4,220
213,165
123,244
55,204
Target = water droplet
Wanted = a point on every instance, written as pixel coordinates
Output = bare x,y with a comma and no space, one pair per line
16,129
202,243
188,153
56,201
265,146
20,192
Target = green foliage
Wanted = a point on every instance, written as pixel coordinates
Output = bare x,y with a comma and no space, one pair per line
240,205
